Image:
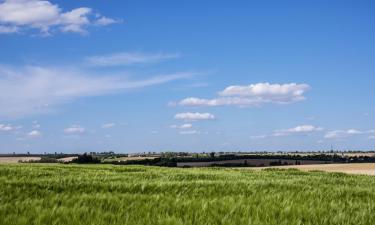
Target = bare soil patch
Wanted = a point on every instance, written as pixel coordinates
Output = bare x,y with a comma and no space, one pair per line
67,159
17,159
350,168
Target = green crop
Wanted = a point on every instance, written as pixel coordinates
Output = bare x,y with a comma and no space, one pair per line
106,194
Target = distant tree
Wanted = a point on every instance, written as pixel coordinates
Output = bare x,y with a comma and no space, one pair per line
85,158
212,154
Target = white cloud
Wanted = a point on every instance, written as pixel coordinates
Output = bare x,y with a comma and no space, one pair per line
188,116
253,95
32,90
74,129
185,129
104,21
34,134
278,91
371,137
303,129
108,125
186,126
353,131
45,16
128,58
342,133
6,127
183,126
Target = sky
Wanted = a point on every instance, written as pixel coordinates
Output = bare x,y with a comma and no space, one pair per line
197,76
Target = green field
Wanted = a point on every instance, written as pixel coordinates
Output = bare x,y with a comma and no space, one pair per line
104,194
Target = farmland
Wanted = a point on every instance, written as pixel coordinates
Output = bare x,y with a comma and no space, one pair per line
17,159
108,194
351,168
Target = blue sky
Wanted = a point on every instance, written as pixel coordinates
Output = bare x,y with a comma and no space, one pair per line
135,76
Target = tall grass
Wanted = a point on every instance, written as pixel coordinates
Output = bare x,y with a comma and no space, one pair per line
104,194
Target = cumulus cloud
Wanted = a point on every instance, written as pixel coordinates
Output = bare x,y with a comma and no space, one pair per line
42,15
108,125
74,129
189,116
6,127
28,90
183,126
303,129
34,134
128,58
253,95
342,133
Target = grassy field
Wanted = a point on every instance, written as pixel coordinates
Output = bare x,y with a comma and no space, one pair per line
105,194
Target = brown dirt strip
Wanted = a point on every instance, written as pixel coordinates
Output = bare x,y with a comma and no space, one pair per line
350,168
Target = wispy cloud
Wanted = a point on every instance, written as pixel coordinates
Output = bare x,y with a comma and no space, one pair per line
129,58
303,129
74,129
189,116
335,134
42,15
28,90
253,95
298,130
105,21
183,126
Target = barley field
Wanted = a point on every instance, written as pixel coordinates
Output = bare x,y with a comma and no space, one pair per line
105,194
